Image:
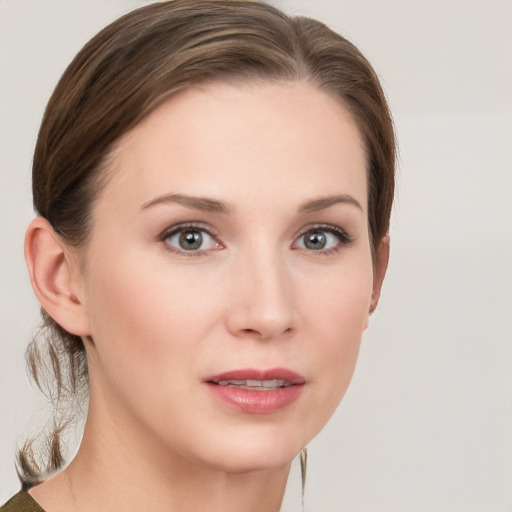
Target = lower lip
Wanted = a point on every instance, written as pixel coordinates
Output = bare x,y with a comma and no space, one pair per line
257,402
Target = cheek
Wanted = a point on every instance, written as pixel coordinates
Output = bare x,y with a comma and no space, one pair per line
337,315
144,320
336,302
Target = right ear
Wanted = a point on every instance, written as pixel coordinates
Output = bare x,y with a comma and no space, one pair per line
56,277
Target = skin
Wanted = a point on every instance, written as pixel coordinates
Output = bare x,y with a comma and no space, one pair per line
157,319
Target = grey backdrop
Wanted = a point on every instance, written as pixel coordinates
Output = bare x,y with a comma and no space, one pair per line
427,422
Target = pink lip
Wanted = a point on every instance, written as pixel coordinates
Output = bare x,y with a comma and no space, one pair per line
257,402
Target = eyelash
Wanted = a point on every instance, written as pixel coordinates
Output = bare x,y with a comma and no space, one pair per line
345,240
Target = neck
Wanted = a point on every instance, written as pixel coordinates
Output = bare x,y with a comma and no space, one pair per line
120,469
110,483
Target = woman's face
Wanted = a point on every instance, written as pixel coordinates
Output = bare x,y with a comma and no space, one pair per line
229,276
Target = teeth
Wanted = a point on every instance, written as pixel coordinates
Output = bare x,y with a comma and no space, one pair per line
233,382
256,385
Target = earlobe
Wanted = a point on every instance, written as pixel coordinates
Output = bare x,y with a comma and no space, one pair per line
53,275
379,271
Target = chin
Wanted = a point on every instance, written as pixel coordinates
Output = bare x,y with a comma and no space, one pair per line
241,463
251,452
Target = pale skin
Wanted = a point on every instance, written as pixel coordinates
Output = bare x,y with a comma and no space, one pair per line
260,172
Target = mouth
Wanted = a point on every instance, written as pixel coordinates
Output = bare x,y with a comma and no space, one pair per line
257,391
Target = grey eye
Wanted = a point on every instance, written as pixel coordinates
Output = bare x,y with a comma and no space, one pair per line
191,240
320,239
315,240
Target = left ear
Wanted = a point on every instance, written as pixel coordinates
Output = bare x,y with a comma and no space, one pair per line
379,271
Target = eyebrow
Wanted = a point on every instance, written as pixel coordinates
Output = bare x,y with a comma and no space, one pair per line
198,203
325,202
215,206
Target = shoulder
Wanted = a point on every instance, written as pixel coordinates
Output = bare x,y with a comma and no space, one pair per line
21,502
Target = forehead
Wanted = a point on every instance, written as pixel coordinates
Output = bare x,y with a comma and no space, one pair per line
230,141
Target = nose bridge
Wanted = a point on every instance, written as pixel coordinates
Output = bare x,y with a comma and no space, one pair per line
264,293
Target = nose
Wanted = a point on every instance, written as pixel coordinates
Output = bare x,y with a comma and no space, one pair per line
262,305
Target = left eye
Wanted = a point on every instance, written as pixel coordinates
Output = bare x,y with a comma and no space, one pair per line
191,239
320,240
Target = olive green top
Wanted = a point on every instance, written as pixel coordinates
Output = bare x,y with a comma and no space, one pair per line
21,502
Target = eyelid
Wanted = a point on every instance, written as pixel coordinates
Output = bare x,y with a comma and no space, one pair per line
175,228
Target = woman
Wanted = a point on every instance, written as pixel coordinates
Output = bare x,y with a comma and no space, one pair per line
213,183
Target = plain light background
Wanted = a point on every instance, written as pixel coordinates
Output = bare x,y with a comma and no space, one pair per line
427,422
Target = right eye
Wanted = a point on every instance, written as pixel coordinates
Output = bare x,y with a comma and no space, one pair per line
192,240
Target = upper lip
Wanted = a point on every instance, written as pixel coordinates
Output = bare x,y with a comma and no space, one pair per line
259,374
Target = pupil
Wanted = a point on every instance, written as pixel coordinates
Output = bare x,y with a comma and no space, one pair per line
191,240
315,241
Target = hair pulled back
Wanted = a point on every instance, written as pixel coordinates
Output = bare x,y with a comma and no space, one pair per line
125,72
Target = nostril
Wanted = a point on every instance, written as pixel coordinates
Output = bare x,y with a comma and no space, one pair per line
252,331
255,333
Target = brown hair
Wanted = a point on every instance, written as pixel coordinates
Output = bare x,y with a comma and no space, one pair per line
125,72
